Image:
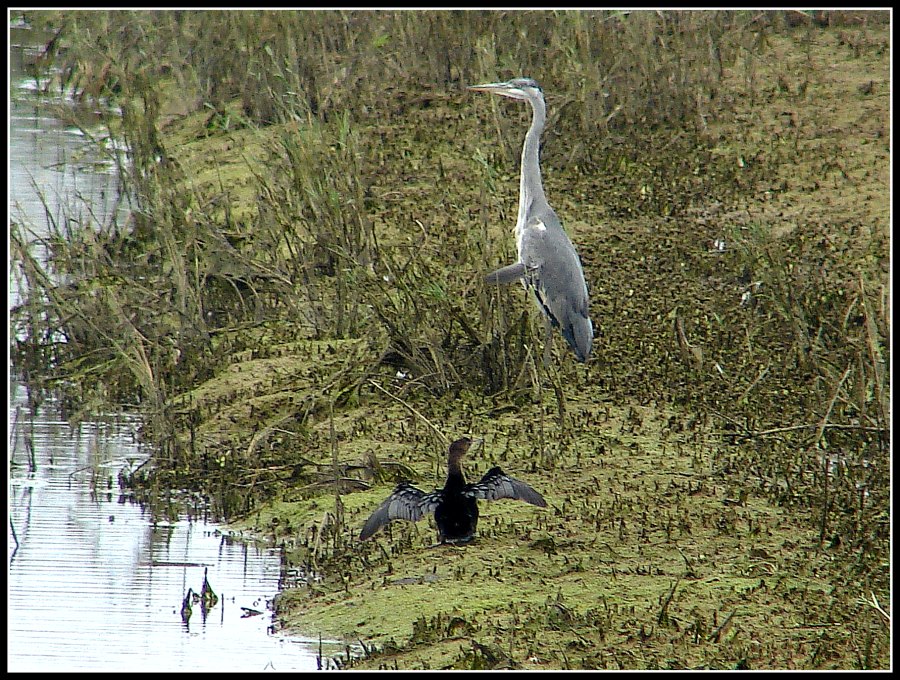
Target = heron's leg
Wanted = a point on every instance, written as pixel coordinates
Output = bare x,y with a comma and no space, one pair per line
548,340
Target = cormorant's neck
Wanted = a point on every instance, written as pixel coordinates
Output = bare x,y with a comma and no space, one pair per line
455,476
533,188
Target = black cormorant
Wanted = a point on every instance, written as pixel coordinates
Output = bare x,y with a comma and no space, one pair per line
455,506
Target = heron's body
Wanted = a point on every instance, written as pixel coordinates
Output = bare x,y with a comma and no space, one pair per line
455,507
547,263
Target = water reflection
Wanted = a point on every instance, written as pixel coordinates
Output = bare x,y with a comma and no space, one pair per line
44,152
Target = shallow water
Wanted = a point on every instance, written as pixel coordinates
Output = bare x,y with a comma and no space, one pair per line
94,583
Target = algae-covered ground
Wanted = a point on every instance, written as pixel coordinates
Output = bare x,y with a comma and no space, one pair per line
661,545
717,475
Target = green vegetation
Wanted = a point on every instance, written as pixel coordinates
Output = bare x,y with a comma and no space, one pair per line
297,303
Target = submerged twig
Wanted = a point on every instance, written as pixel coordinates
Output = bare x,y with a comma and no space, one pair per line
12,528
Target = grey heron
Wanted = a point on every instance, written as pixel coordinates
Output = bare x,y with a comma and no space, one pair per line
455,506
548,263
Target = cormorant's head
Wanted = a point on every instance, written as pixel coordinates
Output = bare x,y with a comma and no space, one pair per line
460,448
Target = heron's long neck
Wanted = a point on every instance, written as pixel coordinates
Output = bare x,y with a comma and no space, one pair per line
530,186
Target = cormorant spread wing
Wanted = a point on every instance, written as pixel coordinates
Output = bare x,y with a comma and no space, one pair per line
406,502
497,484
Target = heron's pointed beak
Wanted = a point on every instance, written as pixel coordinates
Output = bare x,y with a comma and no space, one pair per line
487,87
503,89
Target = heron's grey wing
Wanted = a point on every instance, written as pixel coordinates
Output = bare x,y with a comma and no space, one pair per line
554,272
507,274
406,502
496,484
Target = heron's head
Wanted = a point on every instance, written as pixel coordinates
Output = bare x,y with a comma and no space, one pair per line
517,88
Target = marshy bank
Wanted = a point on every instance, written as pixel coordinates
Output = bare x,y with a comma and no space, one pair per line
296,301
96,581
